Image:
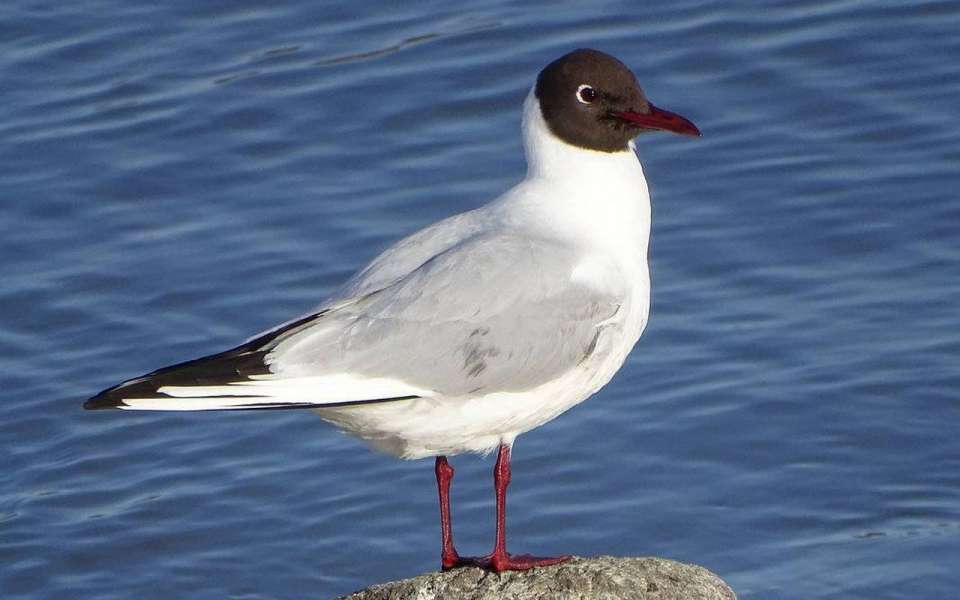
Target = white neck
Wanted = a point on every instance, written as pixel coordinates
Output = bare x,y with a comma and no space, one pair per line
549,156
600,198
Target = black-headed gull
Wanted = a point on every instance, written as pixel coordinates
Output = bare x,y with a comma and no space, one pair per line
482,326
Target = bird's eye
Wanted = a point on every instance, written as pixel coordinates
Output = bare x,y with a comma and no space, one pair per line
586,94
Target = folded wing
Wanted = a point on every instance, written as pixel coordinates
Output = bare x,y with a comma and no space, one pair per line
491,313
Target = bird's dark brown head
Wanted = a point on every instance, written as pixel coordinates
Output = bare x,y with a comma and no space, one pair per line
592,100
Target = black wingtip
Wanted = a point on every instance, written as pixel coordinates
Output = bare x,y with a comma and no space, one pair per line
104,399
108,398
244,361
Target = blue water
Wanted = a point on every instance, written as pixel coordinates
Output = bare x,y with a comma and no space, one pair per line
177,176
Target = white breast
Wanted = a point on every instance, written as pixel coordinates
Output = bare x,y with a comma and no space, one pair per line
596,202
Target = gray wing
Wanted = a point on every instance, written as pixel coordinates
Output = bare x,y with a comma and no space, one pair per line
491,313
488,313
406,255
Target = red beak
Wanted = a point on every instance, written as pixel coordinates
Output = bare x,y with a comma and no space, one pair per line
660,119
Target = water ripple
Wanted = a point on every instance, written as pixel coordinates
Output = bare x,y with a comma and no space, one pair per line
788,419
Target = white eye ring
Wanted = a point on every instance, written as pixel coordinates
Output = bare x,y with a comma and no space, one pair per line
586,94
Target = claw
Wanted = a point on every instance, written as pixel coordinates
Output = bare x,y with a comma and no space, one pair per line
500,562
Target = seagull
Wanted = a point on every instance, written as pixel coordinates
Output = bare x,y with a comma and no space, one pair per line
482,326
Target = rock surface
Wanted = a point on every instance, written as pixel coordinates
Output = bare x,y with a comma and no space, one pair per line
600,578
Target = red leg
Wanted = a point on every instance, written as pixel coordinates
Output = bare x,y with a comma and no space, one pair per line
448,555
499,560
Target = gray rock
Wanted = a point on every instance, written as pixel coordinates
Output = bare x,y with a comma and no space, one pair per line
600,578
